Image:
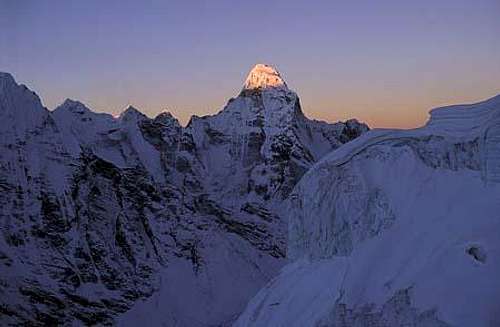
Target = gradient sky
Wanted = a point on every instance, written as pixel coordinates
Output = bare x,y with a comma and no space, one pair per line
384,62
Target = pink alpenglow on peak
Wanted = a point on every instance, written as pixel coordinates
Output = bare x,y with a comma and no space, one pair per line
263,77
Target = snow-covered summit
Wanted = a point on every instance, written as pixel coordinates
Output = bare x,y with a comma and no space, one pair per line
6,79
73,106
263,77
165,116
10,89
20,109
263,131
131,113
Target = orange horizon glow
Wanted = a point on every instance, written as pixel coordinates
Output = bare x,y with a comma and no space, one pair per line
375,110
386,63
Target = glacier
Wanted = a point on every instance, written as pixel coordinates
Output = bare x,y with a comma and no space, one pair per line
396,228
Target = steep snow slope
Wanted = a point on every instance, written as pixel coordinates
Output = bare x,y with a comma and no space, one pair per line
29,139
396,228
103,215
20,109
119,141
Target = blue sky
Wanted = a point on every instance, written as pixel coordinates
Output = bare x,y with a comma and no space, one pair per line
384,62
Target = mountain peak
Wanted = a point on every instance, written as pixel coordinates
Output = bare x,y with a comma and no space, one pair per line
8,84
73,106
6,78
20,108
70,102
131,113
262,77
165,117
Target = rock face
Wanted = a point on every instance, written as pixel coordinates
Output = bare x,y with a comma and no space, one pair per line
261,143
133,220
395,228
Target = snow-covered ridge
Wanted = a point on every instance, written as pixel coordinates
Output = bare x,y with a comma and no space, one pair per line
98,212
397,227
262,77
460,123
21,110
479,120
455,137
6,79
465,119
131,113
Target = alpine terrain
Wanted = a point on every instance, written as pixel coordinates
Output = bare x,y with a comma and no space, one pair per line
397,228
136,221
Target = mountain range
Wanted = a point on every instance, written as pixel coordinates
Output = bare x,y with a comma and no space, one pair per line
134,220
255,216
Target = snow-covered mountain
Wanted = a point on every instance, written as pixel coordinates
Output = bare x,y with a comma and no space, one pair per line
133,220
397,228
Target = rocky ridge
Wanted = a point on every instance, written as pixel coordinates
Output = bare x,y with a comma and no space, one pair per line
103,217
